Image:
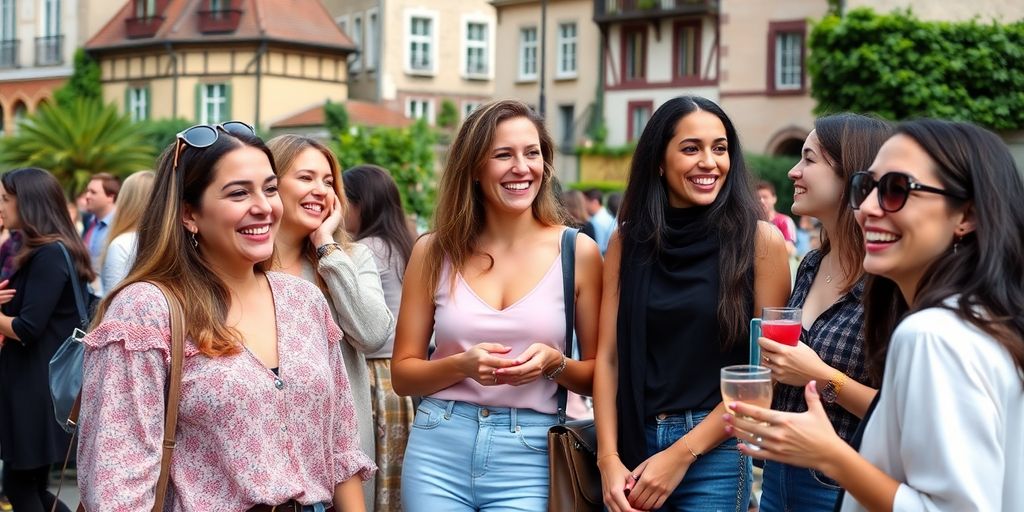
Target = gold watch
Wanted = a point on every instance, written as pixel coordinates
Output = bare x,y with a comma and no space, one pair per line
830,392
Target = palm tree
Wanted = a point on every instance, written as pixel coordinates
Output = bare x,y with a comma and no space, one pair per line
76,141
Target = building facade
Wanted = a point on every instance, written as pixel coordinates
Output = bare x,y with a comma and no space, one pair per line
216,60
414,55
566,63
38,39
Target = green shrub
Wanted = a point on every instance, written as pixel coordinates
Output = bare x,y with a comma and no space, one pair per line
774,169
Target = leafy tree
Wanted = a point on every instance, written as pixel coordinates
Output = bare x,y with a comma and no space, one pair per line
160,133
897,66
775,170
408,153
336,117
84,81
449,115
76,141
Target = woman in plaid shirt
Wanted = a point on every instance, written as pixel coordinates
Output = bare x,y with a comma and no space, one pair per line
829,285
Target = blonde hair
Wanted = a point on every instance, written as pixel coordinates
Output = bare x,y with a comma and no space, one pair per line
132,201
459,216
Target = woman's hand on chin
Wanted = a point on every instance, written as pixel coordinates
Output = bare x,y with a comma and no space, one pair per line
325,233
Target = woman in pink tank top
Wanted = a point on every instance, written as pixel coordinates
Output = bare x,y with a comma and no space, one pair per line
488,284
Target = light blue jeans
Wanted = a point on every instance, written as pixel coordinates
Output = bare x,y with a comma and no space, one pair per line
466,457
794,489
718,481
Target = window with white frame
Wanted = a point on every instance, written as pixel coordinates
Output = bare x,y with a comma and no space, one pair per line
421,44
370,44
566,50
468,108
356,59
145,8
476,49
528,53
8,39
51,18
639,114
634,58
214,104
789,60
138,103
418,108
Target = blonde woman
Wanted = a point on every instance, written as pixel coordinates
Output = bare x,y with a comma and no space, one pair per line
119,254
312,245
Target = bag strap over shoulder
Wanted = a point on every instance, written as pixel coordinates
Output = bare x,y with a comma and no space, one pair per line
569,293
173,394
76,286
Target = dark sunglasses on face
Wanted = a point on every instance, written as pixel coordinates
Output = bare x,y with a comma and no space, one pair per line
204,135
893,190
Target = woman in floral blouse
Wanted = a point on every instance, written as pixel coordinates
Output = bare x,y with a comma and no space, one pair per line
266,415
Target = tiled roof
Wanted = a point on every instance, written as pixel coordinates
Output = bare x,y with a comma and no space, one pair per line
302,22
360,113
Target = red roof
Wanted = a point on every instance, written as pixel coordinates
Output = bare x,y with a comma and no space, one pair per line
360,113
302,22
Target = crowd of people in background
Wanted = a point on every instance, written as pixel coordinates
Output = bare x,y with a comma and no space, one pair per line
337,359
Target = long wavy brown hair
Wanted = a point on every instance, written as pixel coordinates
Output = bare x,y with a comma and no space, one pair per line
165,253
459,216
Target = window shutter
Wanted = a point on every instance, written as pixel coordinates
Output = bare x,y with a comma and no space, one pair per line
149,102
128,100
199,103
226,113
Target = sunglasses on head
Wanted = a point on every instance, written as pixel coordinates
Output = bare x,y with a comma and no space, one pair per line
204,135
893,190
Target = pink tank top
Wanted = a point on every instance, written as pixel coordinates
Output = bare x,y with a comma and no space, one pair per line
462,319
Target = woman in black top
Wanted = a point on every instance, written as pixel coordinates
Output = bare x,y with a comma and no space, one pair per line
34,322
687,268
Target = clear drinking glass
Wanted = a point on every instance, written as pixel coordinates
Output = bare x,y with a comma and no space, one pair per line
781,325
750,384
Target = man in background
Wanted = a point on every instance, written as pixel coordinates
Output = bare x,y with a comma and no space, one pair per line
602,221
785,224
100,199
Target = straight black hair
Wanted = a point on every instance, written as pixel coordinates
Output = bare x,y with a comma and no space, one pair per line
374,192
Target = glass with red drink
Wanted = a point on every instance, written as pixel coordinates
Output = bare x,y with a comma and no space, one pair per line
781,325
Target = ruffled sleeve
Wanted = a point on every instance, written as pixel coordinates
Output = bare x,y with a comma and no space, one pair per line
122,412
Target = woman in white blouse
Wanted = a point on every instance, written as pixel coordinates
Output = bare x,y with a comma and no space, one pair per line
944,329
312,244
119,255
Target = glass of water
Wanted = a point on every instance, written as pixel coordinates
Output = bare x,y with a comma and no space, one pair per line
749,384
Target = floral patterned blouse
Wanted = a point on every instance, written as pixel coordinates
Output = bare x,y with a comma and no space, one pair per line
244,436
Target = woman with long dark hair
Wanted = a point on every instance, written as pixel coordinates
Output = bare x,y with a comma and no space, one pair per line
488,282
375,218
944,332
38,314
266,419
829,287
687,268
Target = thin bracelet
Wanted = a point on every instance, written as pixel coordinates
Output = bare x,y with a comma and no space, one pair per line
607,455
687,445
557,371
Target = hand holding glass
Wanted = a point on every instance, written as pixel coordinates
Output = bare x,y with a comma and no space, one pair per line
781,325
749,384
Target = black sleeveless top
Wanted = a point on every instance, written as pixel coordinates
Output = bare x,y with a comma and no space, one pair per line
670,353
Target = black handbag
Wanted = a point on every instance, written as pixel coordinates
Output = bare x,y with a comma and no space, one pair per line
574,480
66,364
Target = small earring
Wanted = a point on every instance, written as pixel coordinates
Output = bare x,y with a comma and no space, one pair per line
661,172
956,243
195,243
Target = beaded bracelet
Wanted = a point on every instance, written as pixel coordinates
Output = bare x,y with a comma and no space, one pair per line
557,371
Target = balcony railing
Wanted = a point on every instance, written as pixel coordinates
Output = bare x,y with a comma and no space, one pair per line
50,50
9,54
219,21
626,10
137,28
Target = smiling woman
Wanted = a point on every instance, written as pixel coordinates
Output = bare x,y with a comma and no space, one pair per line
488,284
262,354
689,266
313,245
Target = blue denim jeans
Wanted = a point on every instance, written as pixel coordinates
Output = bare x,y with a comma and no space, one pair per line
794,489
466,457
718,481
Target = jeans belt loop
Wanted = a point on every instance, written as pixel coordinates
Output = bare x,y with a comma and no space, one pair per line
689,419
513,421
448,409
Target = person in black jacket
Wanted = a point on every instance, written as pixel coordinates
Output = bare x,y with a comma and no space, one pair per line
37,314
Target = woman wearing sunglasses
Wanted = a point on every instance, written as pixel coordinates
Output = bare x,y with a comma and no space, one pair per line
311,244
944,235
829,287
688,266
266,416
